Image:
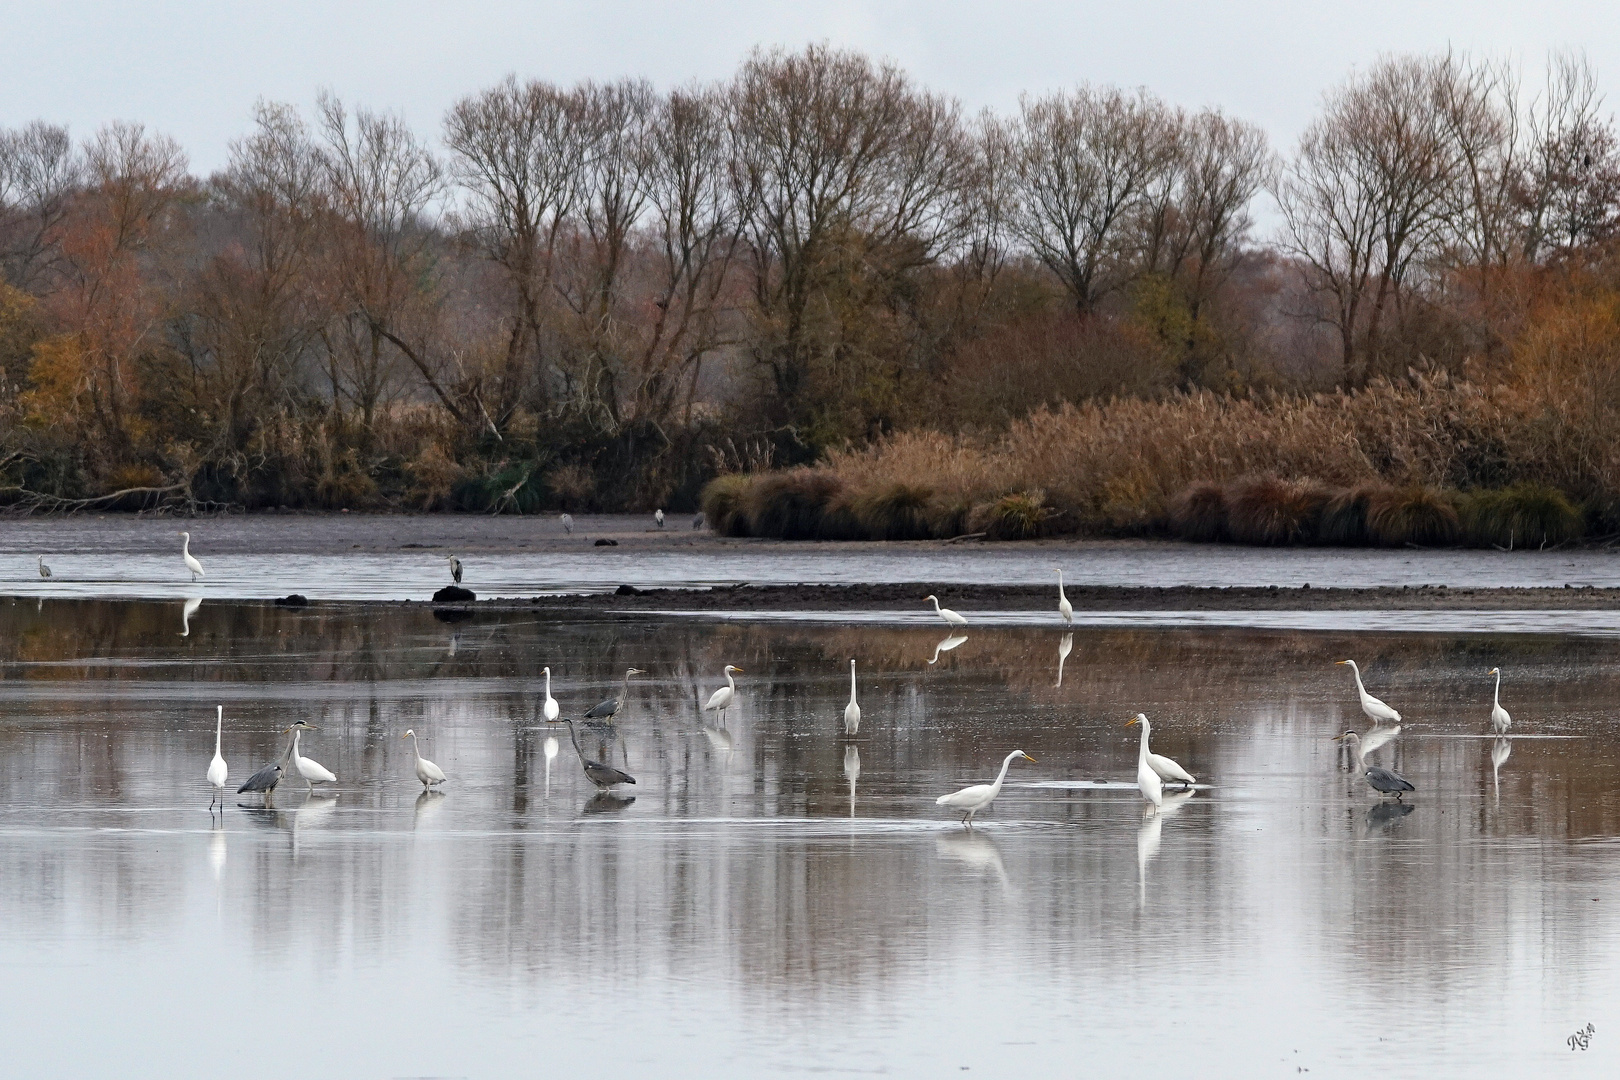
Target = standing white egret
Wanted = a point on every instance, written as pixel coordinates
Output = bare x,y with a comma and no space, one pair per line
970,800
426,771
1161,765
44,571
1500,720
1147,780
1065,608
311,770
721,699
191,561
551,709
946,613
216,768
455,569
567,523
1384,781
1065,646
852,711
1376,710
658,516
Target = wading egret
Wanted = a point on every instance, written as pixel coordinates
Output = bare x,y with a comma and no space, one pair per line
311,770
658,516
1376,710
1500,720
44,571
191,561
1147,780
852,711
603,776
550,709
970,800
946,613
1384,781
1065,608
610,708
1065,646
455,569
567,523
1165,767
426,771
265,780
721,699
216,768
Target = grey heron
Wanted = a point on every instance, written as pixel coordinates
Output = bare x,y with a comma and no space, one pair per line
311,770
946,613
1384,781
191,561
603,776
1376,710
658,516
567,523
426,771
265,780
721,699
1166,768
970,800
216,768
455,568
1500,720
44,571
609,708
697,520
852,711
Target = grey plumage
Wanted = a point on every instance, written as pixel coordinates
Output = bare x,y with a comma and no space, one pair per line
697,520
1382,780
609,709
265,780
603,776
44,571
455,568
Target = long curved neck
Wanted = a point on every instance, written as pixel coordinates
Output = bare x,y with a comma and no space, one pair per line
574,737
852,680
185,546
935,599
416,746
731,682
298,737
1361,761
548,682
1060,586
1142,751
219,726
624,690
1006,763
1498,699
1360,689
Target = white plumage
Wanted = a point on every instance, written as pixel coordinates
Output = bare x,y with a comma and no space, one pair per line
1376,710
946,613
1500,720
551,709
1065,608
191,562
1147,781
852,711
311,770
426,771
970,800
721,699
216,768
1165,768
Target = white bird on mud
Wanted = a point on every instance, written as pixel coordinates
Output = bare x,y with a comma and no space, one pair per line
311,770
721,699
44,571
567,523
1065,608
551,709
426,771
946,613
1376,710
1500,720
970,800
1164,767
852,711
191,562
216,768
658,516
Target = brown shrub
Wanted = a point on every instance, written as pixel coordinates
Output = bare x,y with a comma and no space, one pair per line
1267,510
1199,512
1412,515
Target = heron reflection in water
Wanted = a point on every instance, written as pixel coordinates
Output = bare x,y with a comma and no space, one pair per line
1065,646
1500,749
852,771
426,806
1384,814
187,610
949,642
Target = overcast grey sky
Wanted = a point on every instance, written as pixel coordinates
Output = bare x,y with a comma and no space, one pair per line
193,70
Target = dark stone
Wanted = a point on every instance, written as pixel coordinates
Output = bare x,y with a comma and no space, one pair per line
605,542
295,600
453,594
452,614
627,590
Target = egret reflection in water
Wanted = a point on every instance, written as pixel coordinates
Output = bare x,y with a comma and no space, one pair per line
1378,738
949,642
973,849
852,772
1501,748
187,610
1065,646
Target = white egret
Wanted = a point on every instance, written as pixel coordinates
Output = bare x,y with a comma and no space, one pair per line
1500,720
187,610
609,708
852,711
603,776
1163,766
191,561
455,569
1147,780
721,699
311,770
216,768
658,516
426,771
946,613
1384,781
946,644
970,800
1065,646
567,523
44,571
1065,608
551,710
1376,710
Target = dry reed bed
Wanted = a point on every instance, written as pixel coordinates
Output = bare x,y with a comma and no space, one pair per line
1431,461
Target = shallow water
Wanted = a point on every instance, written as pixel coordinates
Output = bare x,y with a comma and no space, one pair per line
778,898
364,557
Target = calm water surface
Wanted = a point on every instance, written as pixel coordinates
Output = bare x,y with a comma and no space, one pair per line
778,899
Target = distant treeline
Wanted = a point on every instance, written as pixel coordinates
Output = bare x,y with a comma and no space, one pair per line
602,296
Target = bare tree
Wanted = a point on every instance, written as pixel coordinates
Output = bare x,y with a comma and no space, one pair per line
1569,192
39,173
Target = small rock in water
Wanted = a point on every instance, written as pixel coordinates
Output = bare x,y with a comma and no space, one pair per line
605,542
453,594
295,600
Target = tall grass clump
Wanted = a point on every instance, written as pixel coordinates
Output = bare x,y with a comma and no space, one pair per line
897,511
1021,515
1412,515
1524,515
1267,510
724,502
1199,512
1344,517
793,504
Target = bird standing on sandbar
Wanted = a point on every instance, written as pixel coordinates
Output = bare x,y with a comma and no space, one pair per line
455,568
